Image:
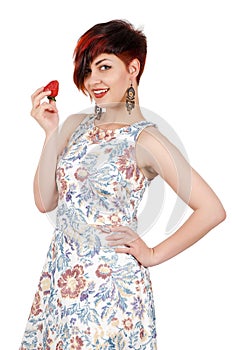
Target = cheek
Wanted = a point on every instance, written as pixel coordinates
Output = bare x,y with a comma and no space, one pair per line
123,90
122,84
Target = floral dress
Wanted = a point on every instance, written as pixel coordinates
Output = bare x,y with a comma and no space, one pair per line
89,296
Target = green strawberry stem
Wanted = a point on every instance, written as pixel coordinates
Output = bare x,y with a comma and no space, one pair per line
51,98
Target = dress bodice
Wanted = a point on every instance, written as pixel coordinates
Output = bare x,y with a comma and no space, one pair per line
98,179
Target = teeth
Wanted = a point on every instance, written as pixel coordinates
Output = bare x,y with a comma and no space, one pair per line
100,91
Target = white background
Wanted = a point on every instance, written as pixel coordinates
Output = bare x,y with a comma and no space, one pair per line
187,82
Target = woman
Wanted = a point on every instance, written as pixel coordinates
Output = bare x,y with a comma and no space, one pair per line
95,290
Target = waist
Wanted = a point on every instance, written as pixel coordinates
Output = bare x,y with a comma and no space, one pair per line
87,234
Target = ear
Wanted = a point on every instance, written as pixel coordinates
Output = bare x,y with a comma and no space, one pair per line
134,68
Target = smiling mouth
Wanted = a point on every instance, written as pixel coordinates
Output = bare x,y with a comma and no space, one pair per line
99,93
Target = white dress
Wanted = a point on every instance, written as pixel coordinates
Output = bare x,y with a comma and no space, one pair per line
90,297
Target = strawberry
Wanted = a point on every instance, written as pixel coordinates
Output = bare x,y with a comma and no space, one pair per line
53,86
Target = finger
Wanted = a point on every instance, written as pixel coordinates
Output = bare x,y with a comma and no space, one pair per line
125,250
125,231
127,241
37,92
52,102
120,229
36,101
37,97
47,106
117,243
114,236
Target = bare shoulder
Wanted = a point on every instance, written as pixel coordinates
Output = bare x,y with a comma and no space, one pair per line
146,148
156,152
153,140
67,129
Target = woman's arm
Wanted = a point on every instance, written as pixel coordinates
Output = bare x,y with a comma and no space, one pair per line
208,212
46,114
45,189
164,158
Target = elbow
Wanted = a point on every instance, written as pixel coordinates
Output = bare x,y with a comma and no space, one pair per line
218,214
41,209
39,205
221,215
46,207
44,210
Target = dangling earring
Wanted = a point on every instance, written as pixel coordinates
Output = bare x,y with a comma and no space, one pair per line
130,99
98,112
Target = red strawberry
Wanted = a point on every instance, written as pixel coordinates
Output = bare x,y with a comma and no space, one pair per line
53,86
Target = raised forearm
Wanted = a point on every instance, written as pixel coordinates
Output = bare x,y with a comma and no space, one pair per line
46,114
45,189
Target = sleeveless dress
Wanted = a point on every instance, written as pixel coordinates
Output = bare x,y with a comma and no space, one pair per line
90,297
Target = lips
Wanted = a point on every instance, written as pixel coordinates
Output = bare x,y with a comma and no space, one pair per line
99,93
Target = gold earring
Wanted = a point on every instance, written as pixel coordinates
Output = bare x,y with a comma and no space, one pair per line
130,99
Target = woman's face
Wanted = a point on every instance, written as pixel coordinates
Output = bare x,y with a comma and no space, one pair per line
107,79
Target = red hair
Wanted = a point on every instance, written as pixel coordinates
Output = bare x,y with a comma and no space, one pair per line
116,37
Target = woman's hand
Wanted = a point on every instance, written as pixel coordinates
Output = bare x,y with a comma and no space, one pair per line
134,245
45,113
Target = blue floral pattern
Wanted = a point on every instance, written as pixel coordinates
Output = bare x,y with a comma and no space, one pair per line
90,297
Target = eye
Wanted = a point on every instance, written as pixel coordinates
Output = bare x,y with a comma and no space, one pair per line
105,67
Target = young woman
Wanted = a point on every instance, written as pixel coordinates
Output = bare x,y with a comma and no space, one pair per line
95,291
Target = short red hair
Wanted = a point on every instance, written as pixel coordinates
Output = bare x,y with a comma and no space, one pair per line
116,37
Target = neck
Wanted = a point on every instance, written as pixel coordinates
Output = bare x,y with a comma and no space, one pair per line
116,113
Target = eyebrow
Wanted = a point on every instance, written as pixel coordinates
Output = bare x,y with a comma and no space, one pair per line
104,59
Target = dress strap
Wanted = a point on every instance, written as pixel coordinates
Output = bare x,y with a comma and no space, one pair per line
140,126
